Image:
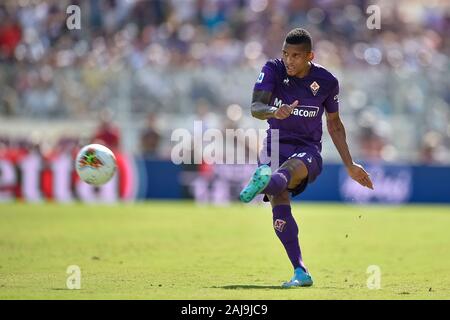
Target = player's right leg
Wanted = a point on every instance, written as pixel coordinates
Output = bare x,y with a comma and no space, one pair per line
286,230
289,175
258,182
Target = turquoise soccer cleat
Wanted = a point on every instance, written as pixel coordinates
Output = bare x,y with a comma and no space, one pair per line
300,279
257,183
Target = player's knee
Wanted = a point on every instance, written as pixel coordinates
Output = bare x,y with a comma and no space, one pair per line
296,168
289,165
294,183
279,199
298,171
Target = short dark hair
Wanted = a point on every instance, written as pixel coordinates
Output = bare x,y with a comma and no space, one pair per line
299,36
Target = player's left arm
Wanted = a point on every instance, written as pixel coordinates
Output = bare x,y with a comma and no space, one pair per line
336,130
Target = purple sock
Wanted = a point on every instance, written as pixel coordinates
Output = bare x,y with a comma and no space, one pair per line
287,231
279,181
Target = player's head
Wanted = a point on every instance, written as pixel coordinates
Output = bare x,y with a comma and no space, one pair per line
297,51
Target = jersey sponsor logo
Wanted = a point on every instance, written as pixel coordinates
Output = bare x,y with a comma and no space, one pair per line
314,87
278,102
309,112
286,81
279,225
302,110
260,78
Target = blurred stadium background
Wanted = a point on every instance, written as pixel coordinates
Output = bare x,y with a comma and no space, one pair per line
138,70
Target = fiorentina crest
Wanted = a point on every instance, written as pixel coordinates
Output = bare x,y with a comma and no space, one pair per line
279,225
314,87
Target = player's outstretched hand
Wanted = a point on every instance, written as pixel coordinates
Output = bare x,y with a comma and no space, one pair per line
285,110
357,173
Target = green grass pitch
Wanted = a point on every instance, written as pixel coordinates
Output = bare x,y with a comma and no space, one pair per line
179,250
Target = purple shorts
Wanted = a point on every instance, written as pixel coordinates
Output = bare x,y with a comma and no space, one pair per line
309,156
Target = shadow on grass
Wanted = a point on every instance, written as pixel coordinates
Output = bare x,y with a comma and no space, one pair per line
247,286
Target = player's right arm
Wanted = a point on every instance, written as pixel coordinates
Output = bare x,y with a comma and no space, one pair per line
262,94
263,111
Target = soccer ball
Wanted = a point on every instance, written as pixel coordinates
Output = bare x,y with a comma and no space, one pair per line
95,164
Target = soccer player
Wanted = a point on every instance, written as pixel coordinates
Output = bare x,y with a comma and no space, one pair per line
292,94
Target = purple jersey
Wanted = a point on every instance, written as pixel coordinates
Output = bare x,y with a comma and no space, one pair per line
316,92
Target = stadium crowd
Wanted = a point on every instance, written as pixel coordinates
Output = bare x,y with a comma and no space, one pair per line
394,75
